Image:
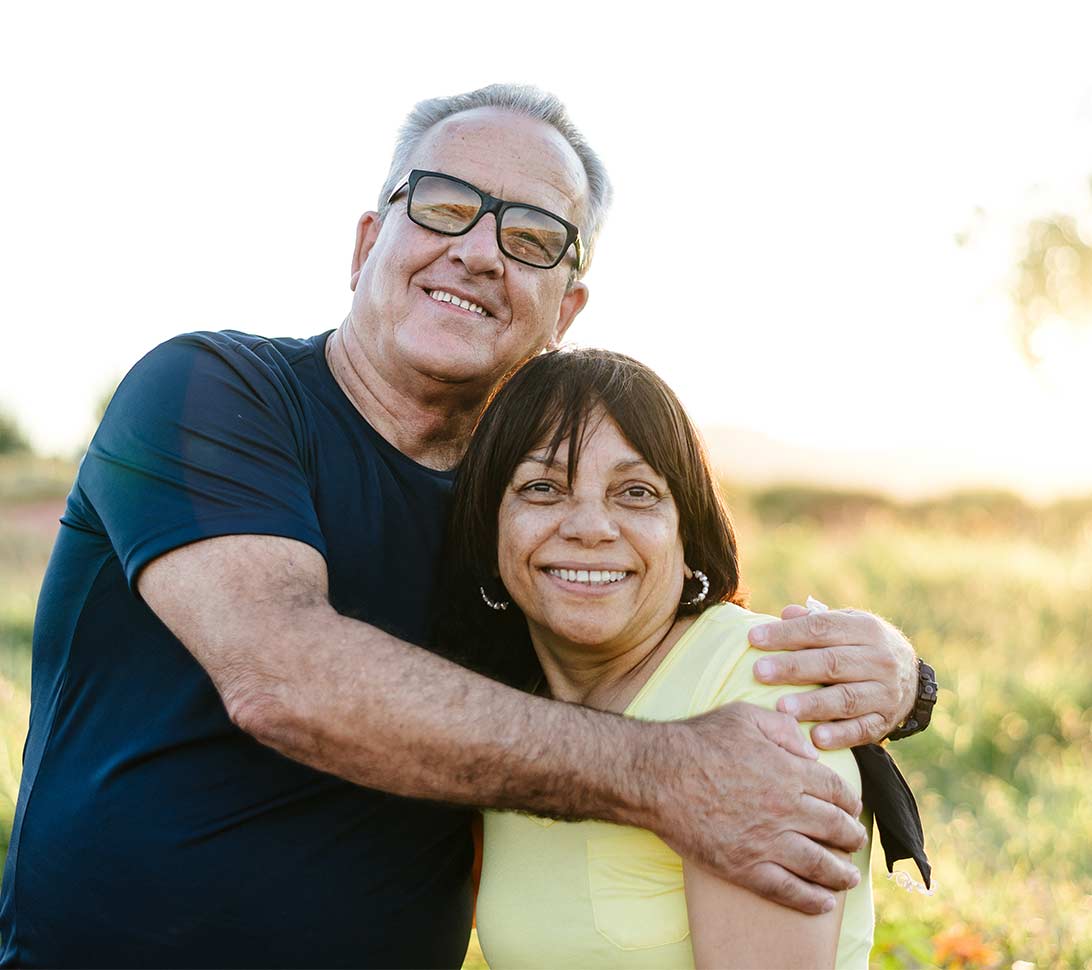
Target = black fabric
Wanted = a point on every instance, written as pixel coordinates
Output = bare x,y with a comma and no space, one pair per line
886,794
149,830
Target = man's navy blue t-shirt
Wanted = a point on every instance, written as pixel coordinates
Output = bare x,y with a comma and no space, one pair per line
150,831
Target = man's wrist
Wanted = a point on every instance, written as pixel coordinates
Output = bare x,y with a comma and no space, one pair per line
650,761
607,767
924,700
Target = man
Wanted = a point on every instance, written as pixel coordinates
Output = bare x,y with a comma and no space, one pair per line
249,545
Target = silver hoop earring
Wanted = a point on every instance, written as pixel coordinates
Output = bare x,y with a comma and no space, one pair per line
497,605
704,580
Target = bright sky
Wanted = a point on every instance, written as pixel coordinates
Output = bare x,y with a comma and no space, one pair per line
790,179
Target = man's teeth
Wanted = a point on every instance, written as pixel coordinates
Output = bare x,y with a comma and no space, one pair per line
442,296
590,576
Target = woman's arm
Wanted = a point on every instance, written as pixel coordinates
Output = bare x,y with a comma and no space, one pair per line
733,928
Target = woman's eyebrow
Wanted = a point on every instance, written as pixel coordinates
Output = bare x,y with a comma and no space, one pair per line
622,466
633,463
541,459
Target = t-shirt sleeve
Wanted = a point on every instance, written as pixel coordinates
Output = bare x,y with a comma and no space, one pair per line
204,437
732,679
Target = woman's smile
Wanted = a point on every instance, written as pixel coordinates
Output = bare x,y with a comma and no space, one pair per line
589,579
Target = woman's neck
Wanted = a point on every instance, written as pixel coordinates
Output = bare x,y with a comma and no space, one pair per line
604,676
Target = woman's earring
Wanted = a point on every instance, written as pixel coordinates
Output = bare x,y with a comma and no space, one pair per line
497,605
704,580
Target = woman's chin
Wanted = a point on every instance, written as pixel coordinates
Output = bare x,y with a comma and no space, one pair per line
585,635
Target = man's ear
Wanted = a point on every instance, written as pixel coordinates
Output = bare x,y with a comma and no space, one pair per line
574,300
367,230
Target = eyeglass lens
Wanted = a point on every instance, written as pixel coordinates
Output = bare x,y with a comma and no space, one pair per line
450,207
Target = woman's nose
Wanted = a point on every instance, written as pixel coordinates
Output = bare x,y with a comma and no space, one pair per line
588,522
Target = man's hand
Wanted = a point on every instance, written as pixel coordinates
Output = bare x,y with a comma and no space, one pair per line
868,664
748,802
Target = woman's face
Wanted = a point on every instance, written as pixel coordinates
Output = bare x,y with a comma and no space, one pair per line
600,563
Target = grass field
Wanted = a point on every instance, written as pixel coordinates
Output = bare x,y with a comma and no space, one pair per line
995,594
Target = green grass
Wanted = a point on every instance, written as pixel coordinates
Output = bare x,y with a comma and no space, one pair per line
999,603
993,592
23,557
27,478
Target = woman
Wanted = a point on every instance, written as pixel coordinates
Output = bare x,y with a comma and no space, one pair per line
596,563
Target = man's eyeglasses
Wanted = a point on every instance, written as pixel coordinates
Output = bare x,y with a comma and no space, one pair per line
451,206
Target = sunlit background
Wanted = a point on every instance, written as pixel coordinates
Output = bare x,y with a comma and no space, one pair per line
819,207
856,238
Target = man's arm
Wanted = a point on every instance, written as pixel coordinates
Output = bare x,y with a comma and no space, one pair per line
734,790
869,666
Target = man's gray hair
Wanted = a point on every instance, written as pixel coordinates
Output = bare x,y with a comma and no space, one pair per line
523,99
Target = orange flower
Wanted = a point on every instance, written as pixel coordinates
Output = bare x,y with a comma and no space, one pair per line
962,949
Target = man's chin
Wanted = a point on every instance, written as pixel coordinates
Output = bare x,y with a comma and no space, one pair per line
465,374
453,362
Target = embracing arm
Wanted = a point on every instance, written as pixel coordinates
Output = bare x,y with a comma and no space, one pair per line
346,698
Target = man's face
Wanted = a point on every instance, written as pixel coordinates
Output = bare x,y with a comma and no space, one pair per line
400,268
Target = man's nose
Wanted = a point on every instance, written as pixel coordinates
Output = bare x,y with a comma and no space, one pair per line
588,522
477,249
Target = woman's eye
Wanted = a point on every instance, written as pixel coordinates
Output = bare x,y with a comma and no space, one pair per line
638,492
541,488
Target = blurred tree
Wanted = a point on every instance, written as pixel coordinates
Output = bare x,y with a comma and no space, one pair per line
102,402
1053,279
12,438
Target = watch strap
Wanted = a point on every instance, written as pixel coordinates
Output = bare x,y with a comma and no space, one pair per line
924,702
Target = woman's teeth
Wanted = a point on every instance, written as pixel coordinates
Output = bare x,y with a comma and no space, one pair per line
442,296
592,577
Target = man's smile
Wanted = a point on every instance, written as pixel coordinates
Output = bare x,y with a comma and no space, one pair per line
444,296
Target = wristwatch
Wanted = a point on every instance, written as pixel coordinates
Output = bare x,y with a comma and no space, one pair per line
923,704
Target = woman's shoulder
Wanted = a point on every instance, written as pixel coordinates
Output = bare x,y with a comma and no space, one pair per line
729,676
726,655
728,618
723,649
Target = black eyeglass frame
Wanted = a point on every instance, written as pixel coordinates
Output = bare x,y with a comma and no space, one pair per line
491,204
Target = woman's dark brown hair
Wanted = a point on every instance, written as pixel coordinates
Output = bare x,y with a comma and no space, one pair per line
549,401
